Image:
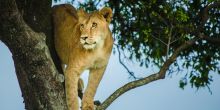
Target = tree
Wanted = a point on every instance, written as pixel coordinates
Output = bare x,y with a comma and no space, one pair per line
161,32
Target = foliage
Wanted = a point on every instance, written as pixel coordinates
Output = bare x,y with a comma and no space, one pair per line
151,30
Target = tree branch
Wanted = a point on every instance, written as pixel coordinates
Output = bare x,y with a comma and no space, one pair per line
131,73
159,39
148,79
212,40
205,13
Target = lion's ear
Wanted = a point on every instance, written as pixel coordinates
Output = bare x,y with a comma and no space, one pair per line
81,12
106,12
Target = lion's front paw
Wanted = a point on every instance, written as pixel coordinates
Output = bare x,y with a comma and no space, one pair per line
88,106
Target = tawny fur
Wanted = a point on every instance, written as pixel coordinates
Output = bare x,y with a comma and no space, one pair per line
82,41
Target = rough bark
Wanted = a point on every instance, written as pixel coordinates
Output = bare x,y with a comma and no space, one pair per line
38,77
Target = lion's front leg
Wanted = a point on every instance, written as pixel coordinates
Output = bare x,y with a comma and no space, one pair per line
72,76
95,77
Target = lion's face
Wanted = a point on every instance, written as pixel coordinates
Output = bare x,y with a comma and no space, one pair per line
94,28
92,32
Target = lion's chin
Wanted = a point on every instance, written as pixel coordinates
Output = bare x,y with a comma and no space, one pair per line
89,46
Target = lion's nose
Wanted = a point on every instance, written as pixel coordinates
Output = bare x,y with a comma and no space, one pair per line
84,37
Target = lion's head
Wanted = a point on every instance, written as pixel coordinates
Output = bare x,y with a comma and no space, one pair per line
94,27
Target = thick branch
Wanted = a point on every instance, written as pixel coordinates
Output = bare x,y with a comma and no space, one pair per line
148,79
212,40
205,13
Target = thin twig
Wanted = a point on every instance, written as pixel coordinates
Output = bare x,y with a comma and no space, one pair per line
131,73
168,42
175,40
159,39
97,3
165,22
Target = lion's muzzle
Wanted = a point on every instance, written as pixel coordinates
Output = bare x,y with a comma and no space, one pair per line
88,43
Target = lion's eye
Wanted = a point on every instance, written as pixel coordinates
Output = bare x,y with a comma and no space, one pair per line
94,25
81,26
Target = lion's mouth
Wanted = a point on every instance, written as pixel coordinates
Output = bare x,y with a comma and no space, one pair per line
87,45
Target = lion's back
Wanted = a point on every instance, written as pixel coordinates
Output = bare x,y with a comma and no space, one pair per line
64,19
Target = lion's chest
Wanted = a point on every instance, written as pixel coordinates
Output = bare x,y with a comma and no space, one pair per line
98,63
97,60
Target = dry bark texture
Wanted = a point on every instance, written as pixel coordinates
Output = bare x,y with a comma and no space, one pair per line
25,27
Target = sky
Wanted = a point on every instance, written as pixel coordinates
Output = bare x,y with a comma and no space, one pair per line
159,95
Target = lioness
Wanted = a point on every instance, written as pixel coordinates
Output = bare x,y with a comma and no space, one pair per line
82,41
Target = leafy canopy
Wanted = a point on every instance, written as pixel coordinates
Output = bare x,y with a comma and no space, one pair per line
151,30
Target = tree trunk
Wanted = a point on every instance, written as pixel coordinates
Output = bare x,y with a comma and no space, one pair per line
25,28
